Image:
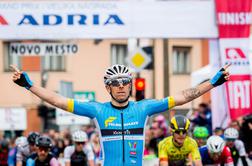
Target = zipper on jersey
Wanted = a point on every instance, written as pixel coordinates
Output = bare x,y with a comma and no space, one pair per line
122,135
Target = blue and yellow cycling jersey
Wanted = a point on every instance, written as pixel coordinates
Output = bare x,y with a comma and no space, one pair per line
121,129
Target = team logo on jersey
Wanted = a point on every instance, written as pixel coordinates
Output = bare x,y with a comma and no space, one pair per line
109,120
133,151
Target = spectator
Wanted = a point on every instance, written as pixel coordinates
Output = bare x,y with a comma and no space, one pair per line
58,149
219,132
12,153
95,143
4,149
157,129
148,150
204,117
246,134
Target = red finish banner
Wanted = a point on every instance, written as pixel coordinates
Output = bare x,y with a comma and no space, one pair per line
234,19
239,95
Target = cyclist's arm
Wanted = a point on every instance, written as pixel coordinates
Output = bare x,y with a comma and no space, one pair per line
163,163
67,163
197,163
19,157
242,152
190,94
162,154
228,160
67,156
91,163
74,106
19,163
54,162
90,154
50,97
244,161
196,158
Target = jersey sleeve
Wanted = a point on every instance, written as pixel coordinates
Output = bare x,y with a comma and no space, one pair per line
89,152
162,153
19,156
227,156
240,147
88,109
67,154
195,151
157,106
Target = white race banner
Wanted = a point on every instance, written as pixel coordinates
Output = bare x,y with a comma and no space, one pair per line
114,19
13,119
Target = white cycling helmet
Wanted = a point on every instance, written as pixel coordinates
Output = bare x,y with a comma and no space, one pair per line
215,144
231,133
21,141
79,136
116,71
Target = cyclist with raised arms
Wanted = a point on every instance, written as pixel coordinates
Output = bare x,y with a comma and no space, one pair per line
179,149
121,122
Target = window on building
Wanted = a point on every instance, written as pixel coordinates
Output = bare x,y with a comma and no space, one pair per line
119,53
181,60
33,63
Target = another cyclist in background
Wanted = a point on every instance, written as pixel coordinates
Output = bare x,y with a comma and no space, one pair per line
179,149
235,145
81,153
25,151
215,152
42,156
121,122
31,138
200,134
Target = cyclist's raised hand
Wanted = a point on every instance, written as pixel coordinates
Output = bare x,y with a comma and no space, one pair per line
221,76
21,78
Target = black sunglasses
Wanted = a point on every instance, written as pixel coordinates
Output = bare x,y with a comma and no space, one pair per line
180,131
117,82
80,143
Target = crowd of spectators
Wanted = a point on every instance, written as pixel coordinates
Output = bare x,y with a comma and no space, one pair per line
156,131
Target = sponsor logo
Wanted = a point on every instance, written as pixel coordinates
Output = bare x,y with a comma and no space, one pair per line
69,19
127,132
236,56
133,146
131,124
235,18
133,161
234,53
239,94
109,120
